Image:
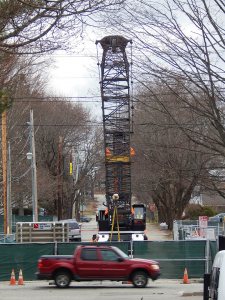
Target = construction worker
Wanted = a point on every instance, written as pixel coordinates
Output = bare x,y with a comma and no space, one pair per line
94,238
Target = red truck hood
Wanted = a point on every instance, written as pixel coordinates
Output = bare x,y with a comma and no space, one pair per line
143,260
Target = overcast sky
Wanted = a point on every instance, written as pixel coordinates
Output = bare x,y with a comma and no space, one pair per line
76,75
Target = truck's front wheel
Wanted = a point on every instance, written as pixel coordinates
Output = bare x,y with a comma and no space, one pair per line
62,279
140,279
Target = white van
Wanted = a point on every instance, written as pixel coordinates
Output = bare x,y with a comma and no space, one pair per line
216,283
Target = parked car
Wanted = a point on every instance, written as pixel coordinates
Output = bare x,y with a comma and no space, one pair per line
74,230
93,262
85,219
217,218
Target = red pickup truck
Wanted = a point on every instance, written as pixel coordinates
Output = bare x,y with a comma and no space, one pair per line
96,263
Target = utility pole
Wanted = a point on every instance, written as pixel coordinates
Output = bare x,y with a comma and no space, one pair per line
32,156
59,178
4,168
9,193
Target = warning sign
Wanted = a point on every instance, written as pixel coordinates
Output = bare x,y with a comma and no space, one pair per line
42,226
203,224
203,221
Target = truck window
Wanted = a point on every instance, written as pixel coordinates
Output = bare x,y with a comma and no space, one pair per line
214,283
89,254
109,255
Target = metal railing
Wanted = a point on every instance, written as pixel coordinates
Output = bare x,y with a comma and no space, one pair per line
190,230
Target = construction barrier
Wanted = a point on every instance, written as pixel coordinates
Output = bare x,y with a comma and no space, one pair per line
22,256
173,256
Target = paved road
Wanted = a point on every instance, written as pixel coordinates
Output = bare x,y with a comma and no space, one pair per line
158,290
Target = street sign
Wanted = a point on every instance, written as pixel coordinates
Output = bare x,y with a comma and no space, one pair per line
203,224
203,221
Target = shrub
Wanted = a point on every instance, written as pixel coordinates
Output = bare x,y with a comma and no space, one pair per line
193,211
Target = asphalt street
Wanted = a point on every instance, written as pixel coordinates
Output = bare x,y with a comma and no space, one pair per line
159,290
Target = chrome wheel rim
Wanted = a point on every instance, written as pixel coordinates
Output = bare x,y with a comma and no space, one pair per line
139,280
62,280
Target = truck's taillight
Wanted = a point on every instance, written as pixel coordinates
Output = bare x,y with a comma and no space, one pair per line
40,263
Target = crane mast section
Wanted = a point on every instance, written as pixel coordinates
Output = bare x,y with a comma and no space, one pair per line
115,93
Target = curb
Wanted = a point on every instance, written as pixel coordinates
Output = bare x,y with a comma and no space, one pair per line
184,294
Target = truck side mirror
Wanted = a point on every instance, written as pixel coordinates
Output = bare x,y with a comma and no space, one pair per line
120,259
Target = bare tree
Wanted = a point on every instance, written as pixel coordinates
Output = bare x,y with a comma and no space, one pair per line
53,117
168,165
23,81
183,42
39,26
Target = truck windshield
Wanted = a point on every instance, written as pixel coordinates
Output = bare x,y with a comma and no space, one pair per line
138,212
120,252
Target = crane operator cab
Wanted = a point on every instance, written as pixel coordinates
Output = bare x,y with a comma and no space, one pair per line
138,217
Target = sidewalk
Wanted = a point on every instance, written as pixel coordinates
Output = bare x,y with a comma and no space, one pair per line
154,233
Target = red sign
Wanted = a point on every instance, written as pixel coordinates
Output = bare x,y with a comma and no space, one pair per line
203,221
203,224
36,226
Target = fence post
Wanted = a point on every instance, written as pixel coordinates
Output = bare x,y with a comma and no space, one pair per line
55,248
131,249
207,256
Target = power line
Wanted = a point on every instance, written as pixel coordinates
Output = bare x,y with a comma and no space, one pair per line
61,125
58,97
58,101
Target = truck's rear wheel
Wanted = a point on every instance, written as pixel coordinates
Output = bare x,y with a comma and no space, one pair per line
62,279
140,279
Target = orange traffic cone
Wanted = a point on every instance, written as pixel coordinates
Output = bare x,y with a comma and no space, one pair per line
185,279
20,279
12,279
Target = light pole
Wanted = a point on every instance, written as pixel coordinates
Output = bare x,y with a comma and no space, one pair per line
31,156
9,202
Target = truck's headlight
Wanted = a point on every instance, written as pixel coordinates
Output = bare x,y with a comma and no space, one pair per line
155,267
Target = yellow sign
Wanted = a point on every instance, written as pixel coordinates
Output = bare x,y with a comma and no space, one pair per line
118,159
71,168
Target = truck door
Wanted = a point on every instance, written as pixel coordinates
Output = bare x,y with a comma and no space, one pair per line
88,265
112,266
